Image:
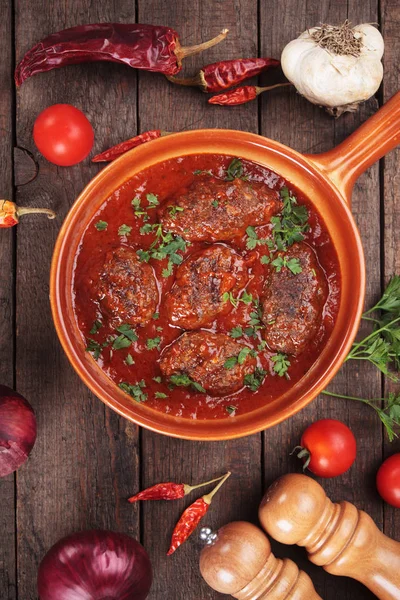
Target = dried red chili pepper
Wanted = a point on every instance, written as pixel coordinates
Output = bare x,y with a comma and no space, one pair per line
153,48
225,74
191,517
168,491
241,95
119,149
10,213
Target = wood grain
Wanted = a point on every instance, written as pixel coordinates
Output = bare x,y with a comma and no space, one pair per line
294,121
390,19
85,462
7,236
175,108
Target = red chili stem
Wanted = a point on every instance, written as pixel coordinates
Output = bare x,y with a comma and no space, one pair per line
169,491
225,74
148,47
192,516
242,95
119,149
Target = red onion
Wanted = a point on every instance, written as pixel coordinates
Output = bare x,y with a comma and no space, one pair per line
95,565
17,430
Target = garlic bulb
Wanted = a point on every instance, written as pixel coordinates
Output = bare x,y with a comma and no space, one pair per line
335,67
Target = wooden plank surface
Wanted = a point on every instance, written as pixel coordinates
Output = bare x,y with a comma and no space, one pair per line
87,460
390,17
7,239
176,108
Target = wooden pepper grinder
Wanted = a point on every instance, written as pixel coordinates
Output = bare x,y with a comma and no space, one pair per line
338,537
239,561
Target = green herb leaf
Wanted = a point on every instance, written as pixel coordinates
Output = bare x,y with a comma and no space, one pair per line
246,298
95,327
254,380
134,390
265,260
293,264
160,395
200,172
236,332
148,228
157,379
155,316
101,225
215,203
243,354
152,199
95,348
281,364
234,170
231,410
128,332
292,224
121,342
129,360
143,255
124,230
231,362
174,210
183,380
152,343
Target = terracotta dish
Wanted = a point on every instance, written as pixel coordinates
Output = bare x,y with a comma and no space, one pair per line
326,179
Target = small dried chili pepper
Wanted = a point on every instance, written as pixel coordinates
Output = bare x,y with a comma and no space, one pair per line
241,95
119,149
168,491
191,517
153,48
225,74
10,213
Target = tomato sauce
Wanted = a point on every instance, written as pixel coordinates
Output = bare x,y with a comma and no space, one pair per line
165,180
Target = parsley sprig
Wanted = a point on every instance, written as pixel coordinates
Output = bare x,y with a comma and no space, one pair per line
254,380
135,390
381,347
293,264
232,361
244,297
183,380
281,364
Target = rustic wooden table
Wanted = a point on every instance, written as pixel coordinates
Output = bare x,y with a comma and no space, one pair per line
87,460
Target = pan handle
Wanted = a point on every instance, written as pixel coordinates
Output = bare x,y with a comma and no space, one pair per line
375,138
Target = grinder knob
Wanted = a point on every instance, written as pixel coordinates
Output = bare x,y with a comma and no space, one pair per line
240,563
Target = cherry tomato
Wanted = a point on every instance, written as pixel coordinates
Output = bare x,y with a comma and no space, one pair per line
63,134
388,480
330,447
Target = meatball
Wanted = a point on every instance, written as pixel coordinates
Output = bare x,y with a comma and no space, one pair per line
127,289
196,297
201,355
213,210
292,304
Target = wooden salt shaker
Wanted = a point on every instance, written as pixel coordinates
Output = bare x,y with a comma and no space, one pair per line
239,562
338,537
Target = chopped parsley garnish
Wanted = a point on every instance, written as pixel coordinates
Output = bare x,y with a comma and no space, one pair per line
215,203
160,395
254,380
94,347
95,327
293,264
245,297
128,335
157,379
174,210
155,316
265,260
166,245
124,230
129,360
253,240
183,380
134,390
262,345
235,170
152,199
281,364
236,332
140,211
147,228
255,322
231,409
152,343
240,358
101,225
291,225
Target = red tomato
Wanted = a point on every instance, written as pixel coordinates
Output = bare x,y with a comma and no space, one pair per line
63,134
388,480
331,445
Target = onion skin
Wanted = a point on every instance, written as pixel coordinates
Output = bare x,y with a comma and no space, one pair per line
95,565
17,430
